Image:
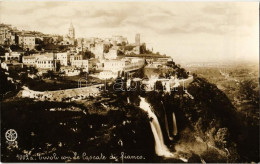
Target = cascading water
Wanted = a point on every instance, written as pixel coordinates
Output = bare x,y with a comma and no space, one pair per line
160,148
175,130
166,123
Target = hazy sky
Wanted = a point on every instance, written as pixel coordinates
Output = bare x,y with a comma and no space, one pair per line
187,31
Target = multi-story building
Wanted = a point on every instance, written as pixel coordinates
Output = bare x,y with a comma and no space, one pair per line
29,60
46,63
75,57
112,54
114,65
13,38
114,68
63,58
12,55
133,66
78,62
27,41
123,65
98,50
5,33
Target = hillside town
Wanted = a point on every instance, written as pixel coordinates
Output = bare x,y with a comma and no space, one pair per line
34,55
129,82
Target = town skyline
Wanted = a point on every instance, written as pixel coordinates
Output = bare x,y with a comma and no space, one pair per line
129,82
215,32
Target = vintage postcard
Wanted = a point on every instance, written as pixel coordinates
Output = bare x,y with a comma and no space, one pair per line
129,82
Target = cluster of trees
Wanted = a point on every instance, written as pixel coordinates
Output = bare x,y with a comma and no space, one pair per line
88,55
48,43
2,51
173,70
6,85
249,90
16,48
140,73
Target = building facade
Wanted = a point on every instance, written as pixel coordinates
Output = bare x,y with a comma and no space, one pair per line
114,65
29,60
5,33
45,63
112,54
78,62
98,50
27,41
63,58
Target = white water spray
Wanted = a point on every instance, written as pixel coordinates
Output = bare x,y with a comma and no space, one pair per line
160,148
175,130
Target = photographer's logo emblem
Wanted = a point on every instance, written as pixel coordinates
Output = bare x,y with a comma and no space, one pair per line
11,135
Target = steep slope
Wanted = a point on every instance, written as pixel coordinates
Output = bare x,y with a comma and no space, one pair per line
210,129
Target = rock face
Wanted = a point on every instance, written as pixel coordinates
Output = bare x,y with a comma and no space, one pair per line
62,95
208,125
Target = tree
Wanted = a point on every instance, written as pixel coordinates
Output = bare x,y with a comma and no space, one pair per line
5,84
88,54
129,48
181,73
221,137
47,40
16,48
58,65
38,41
38,47
139,73
158,86
63,47
31,51
248,90
50,46
33,70
2,51
50,74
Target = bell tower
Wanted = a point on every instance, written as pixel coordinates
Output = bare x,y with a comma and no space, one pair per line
71,31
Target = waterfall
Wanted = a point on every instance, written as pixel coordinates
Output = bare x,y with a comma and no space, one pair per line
160,148
175,130
166,123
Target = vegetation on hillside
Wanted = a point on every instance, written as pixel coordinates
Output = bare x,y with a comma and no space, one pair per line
211,127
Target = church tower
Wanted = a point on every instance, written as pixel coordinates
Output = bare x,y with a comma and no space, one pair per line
71,32
137,39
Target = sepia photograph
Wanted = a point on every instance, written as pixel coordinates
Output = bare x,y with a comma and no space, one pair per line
129,81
